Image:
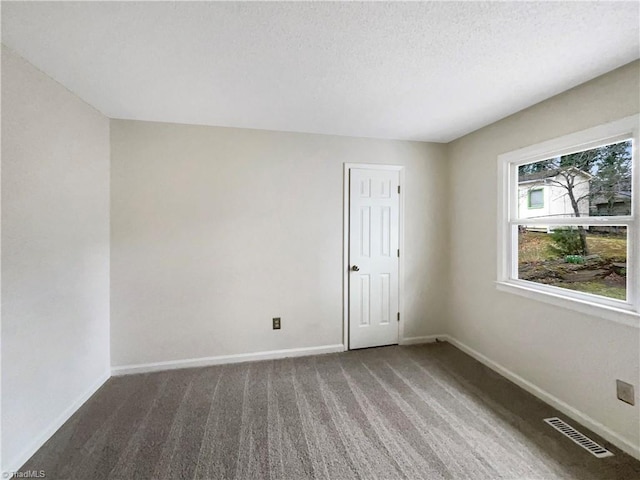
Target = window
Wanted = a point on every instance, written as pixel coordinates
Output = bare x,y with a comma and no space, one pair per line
569,231
536,198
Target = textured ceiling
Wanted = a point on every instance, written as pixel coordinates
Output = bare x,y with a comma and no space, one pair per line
420,71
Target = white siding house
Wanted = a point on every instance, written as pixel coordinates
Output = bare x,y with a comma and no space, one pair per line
544,194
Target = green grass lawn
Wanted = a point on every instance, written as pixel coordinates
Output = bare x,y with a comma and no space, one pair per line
607,247
596,288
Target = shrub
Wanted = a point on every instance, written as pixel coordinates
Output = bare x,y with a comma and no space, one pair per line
566,241
579,259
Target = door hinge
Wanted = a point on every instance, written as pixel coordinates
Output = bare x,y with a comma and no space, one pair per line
398,189
398,316
398,253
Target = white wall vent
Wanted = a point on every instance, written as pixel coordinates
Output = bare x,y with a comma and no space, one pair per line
579,438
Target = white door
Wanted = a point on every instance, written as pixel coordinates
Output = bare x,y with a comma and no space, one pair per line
374,213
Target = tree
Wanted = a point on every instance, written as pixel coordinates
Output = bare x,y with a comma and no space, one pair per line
613,179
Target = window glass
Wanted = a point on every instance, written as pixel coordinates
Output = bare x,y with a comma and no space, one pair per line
536,198
594,182
589,259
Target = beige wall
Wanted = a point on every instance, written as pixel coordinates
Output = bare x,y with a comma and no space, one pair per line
214,231
572,356
55,255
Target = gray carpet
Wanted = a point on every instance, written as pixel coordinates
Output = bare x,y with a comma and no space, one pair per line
396,412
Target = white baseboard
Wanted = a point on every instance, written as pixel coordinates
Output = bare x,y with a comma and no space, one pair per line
597,427
418,340
14,464
223,359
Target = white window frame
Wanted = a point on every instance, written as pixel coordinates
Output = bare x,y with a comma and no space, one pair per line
626,312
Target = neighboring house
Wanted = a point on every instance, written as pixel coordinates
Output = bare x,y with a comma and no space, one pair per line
543,194
618,204
615,204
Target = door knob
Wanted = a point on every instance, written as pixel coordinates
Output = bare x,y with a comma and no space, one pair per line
355,268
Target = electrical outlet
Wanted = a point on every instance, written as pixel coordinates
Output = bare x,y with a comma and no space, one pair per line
625,392
276,323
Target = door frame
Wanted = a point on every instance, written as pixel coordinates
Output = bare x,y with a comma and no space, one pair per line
345,245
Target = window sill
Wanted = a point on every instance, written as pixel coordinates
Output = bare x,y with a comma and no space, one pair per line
618,315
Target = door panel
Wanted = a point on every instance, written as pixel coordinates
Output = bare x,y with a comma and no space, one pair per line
374,213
